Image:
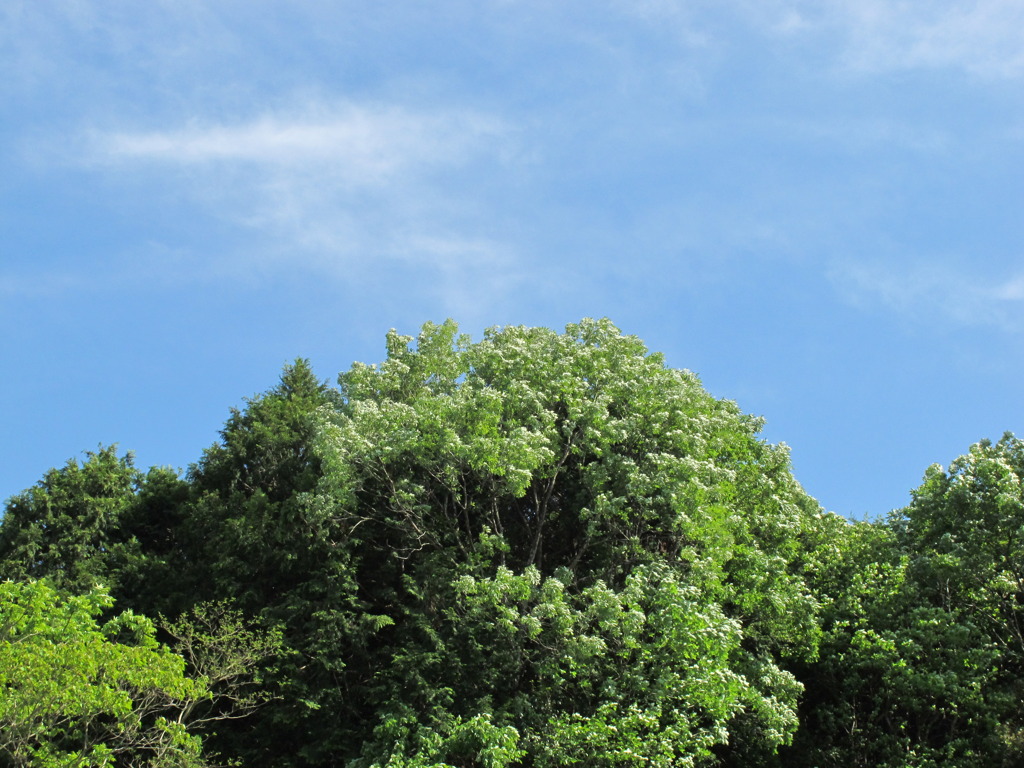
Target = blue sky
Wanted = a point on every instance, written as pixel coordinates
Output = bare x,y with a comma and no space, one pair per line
816,206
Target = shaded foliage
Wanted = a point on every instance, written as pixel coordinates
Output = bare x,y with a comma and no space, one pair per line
920,663
545,549
68,527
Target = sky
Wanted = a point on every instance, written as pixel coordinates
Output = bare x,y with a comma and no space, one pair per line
818,207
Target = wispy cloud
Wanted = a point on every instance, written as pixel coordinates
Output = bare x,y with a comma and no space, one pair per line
1011,290
368,144
336,189
936,290
982,37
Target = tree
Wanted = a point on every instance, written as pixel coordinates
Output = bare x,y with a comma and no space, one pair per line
538,549
104,528
559,534
187,548
247,490
102,522
77,694
254,539
964,537
921,658
68,527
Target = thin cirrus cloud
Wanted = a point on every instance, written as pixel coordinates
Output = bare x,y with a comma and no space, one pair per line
330,186
371,142
1011,290
982,37
935,290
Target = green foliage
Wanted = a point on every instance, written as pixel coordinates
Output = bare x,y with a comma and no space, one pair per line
77,694
227,656
921,659
68,527
248,506
571,537
256,540
965,529
102,522
540,549
964,539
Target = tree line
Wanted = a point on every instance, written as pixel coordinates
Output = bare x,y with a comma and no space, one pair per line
539,549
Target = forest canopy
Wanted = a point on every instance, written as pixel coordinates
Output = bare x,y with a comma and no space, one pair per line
537,549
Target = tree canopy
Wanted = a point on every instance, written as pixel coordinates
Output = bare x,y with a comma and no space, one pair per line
78,694
544,549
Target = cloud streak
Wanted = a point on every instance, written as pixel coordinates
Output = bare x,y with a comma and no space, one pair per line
982,37
372,143
935,290
339,190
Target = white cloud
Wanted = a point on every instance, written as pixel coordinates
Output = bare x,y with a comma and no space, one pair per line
368,144
340,190
982,37
1011,290
934,290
